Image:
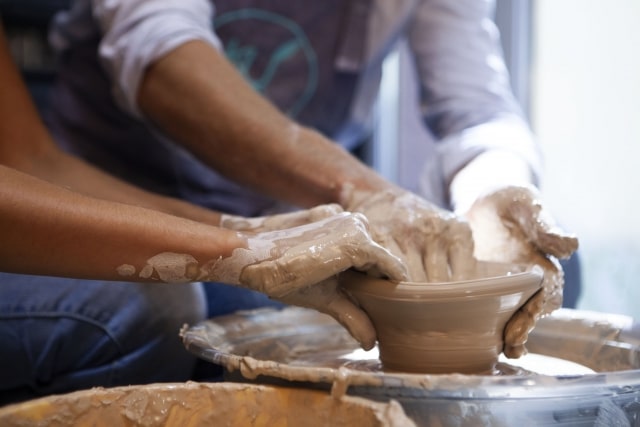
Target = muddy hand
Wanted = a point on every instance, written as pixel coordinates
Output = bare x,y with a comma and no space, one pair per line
327,297
298,266
435,244
279,221
511,225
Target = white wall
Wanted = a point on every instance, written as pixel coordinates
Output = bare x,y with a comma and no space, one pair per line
586,112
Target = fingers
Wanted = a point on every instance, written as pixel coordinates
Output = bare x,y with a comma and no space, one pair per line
534,221
367,255
514,351
552,284
279,221
297,268
460,250
353,319
297,218
553,241
324,211
449,254
382,262
307,264
414,257
547,237
436,261
311,254
327,298
462,261
516,332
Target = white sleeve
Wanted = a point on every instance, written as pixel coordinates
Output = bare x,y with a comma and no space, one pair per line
135,33
466,98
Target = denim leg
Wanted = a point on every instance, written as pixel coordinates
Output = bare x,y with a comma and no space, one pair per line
225,299
59,335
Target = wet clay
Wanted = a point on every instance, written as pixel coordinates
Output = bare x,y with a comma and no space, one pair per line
510,225
279,221
443,327
281,261
313,252
194,404
435,244
290,251
166,267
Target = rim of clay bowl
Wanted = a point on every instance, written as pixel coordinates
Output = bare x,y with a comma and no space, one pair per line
516,278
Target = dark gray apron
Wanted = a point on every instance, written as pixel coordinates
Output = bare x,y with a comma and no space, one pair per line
304,56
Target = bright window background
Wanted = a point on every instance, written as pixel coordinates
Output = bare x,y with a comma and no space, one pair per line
585,110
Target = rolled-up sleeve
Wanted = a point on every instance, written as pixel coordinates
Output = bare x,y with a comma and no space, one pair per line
465,93
135,33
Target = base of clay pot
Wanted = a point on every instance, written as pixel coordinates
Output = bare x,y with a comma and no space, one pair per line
419,360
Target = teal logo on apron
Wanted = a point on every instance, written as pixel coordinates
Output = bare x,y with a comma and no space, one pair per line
273,53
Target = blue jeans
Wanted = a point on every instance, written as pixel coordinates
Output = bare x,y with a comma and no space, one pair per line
59,335
225,299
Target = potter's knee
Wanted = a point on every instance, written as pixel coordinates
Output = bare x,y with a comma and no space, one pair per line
148,331
71,335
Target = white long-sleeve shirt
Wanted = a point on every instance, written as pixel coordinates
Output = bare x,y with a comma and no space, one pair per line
465,98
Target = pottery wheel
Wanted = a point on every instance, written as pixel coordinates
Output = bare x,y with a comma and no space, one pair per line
301,345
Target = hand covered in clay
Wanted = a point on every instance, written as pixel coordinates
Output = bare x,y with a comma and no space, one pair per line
299,266
279,221
511,225
435,244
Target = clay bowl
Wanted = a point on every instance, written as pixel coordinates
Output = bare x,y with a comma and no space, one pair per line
443,327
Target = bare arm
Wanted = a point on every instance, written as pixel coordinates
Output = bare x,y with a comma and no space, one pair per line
230,126
50,224
50,230
26,145
55,166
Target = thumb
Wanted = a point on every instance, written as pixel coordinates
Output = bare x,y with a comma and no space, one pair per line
521,210
326,297
516,331
541,230
354,319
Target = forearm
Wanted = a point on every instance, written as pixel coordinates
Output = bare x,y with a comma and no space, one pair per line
49,230
25,145
59,168
237,132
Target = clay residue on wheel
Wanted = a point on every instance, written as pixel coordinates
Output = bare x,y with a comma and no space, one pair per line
195,404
